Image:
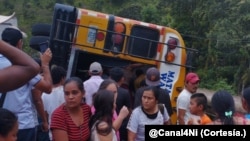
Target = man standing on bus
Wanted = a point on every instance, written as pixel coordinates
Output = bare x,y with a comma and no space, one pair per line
191,85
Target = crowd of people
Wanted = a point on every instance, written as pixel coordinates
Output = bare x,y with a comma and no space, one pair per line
36,95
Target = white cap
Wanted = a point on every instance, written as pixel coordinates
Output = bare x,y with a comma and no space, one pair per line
6,18
95,68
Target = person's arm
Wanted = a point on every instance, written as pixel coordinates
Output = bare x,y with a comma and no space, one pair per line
122,115
22,70
133,125
45,84
131,135
58,125
59,135
36,95
181,114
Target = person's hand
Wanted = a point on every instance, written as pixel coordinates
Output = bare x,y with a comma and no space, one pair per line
190,121
45,126
123,112
194,121
46,57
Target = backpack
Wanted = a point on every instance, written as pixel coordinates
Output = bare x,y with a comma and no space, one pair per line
161,108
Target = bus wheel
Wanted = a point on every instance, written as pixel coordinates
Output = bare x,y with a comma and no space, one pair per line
36,40
41,29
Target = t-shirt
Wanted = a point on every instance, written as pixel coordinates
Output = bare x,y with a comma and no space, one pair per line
63,121
205,120
138,120
183,101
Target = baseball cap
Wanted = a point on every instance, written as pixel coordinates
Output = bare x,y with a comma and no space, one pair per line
12,35
152,77
95,68
192,77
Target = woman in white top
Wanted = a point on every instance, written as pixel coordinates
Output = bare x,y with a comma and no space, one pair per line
147,114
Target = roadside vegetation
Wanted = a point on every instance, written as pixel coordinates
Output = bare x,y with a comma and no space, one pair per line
220,30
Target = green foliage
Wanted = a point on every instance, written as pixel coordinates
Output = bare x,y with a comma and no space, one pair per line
150,14
219,29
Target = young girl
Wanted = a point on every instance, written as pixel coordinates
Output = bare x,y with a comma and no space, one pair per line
223,104
109,84
70,121
101,121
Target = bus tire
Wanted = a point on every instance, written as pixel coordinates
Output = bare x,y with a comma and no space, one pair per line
41,29
36,40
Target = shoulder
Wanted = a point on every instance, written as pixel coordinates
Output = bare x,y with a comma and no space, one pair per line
140,90
137,111
184,93
59,113
59,110
85,107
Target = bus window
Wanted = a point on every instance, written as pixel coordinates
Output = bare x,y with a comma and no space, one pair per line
146,45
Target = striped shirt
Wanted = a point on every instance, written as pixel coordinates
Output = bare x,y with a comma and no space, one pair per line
61,120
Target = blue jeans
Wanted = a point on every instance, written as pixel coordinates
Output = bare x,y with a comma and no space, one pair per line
26,134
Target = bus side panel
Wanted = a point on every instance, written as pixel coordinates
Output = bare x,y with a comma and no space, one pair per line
172,76
89,25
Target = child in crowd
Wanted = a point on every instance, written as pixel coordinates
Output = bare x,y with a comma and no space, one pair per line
223,104
244,119
8,125
198,106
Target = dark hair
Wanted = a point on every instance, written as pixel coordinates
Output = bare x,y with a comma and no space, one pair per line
138,72
78,81
11,36
223,104
200,99
116,73
246,96
154,89
105,83
57,73
8,120
104,104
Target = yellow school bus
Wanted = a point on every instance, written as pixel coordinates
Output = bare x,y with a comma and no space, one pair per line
80,36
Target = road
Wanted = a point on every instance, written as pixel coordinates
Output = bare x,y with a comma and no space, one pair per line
210,93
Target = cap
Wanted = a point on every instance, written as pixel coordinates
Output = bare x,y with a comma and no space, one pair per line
12,35
6,18
95,68
192,77
152,77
